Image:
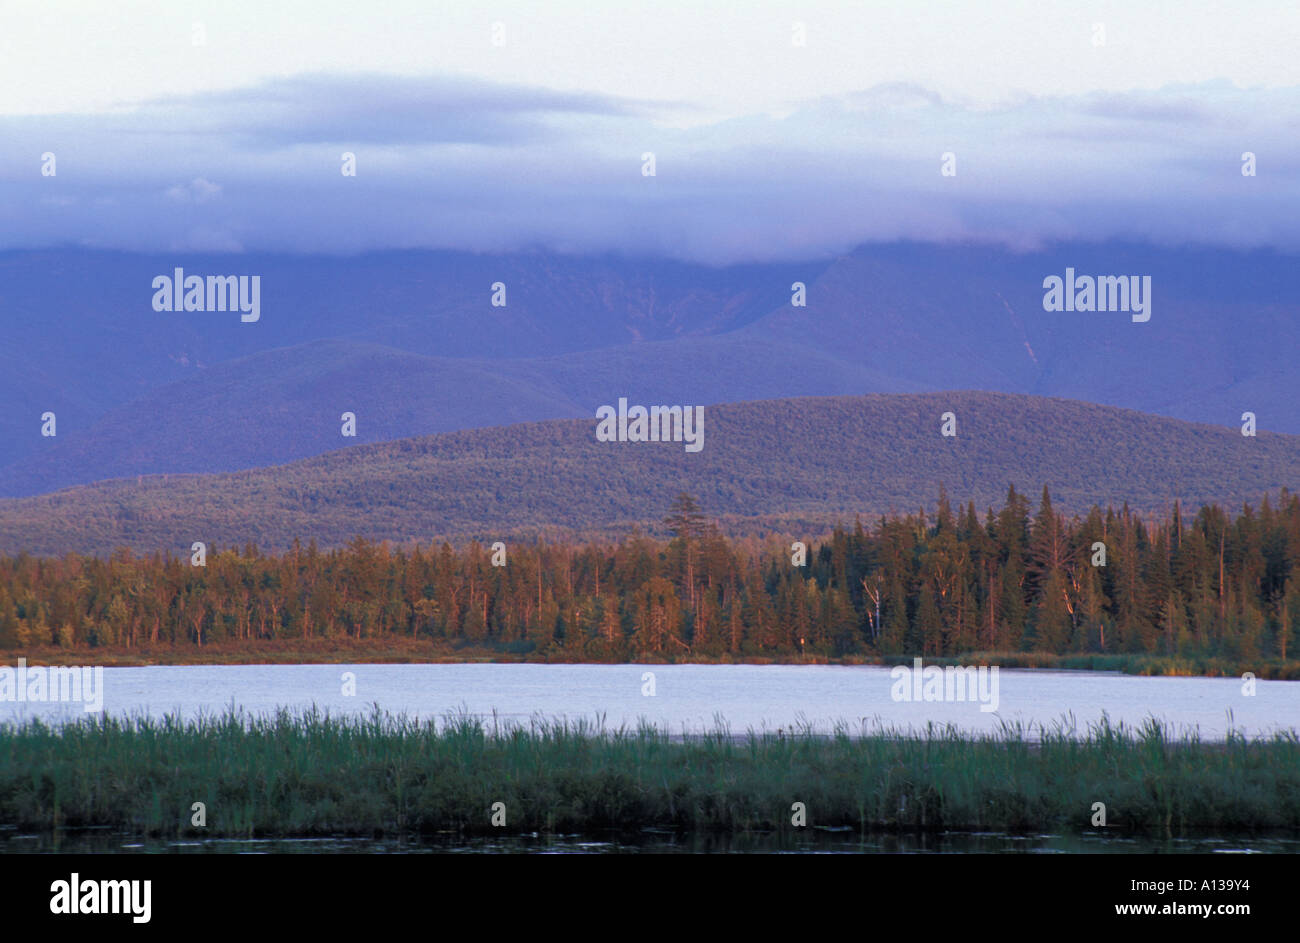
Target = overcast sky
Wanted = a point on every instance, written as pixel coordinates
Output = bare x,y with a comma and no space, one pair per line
763,148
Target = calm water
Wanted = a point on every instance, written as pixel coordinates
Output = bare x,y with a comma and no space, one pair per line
651,841
689,698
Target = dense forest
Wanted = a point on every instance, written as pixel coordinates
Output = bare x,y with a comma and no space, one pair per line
798,465
938,583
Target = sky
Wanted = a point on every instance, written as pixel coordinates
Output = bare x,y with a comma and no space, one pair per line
779,130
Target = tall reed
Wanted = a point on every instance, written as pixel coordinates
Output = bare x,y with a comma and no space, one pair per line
312,774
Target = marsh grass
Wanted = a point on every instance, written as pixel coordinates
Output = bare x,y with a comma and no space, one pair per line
309,774
389,650
1146,665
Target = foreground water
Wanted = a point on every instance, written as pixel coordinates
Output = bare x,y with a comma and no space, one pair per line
689,698
834,841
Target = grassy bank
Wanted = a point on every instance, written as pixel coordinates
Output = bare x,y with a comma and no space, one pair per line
314,775
1150,665
411,651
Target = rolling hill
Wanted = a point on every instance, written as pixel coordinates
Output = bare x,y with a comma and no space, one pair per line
78,336
286,404
788,463
410,342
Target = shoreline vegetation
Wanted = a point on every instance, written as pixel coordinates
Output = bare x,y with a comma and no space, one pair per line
413,652
1205,593
308,773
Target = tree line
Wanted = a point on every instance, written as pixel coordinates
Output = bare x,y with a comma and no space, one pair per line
938,583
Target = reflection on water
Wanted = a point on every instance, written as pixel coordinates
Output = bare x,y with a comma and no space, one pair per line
819,840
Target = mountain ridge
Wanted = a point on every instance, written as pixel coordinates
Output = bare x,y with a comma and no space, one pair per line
411,343
794,460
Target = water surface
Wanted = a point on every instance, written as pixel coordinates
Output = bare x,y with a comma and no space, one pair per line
688,698
659,841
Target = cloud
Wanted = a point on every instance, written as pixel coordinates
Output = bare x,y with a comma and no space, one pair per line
1135,107
379,109
197,190
452,162
206,240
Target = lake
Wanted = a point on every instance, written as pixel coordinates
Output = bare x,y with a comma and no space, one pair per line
683,699
659,841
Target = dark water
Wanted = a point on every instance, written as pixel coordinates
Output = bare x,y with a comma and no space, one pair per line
103,841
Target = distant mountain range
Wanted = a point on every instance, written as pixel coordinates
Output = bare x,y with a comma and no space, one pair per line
410,343
790,465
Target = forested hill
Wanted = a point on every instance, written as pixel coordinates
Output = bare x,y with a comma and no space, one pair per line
789,464
412,344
